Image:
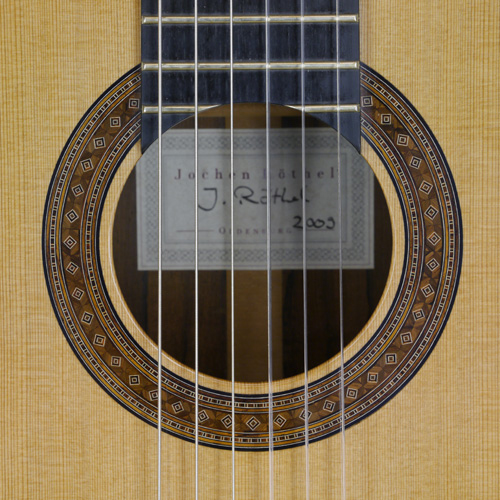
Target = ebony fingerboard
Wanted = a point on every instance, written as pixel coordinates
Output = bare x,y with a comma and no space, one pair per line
249,46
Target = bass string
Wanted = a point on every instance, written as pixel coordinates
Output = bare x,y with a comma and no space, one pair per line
268,257
341,284
231,128
160,241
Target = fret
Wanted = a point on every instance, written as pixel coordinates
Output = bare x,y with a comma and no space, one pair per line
324,62
312,108
321,88
248,7
252,66
249,19
177,109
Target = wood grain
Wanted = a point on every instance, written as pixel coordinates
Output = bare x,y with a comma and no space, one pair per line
64,438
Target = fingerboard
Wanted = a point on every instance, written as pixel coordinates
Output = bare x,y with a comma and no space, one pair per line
322,68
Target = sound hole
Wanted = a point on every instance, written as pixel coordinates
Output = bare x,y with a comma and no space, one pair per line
366,251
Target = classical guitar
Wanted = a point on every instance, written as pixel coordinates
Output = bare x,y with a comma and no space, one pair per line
298,202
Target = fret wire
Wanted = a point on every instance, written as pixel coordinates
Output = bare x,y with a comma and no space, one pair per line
252,65
276,19
309,108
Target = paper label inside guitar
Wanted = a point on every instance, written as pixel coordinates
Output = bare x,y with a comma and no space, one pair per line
250,201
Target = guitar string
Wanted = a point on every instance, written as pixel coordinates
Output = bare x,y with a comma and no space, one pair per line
304,254
269,281
231,125
341,284
268,263
196,263
160,234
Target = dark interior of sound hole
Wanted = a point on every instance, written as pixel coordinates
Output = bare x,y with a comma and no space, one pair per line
362,290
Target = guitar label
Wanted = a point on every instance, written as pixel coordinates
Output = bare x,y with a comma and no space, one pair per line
251,197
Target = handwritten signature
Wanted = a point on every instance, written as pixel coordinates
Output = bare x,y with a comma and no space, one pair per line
245,194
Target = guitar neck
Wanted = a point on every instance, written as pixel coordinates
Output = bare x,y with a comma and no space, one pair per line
330,60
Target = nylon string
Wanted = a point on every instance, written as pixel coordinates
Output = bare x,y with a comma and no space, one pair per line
160,235
196,274
231,120
268,263
341,287
304,251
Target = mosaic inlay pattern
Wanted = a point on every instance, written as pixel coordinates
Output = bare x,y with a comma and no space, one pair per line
384,365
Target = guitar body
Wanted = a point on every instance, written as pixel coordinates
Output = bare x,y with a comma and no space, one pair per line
64,437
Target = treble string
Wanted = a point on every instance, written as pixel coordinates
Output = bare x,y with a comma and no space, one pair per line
304,241
160,239
196,274
341,298
268,263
